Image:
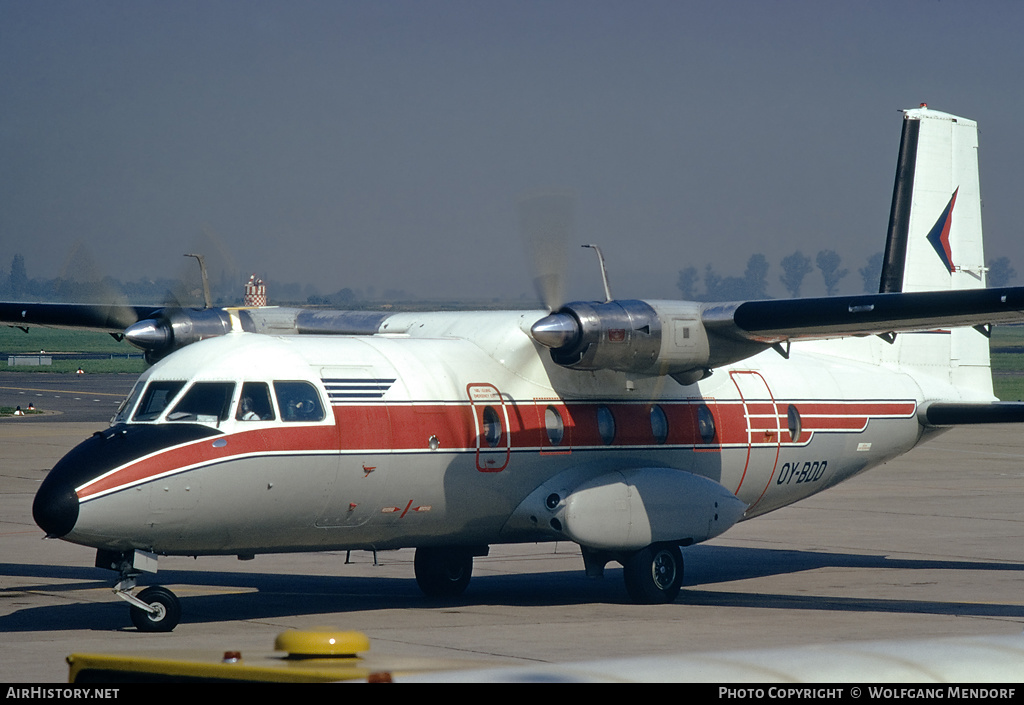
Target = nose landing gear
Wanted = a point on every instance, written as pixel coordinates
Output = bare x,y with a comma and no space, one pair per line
155,609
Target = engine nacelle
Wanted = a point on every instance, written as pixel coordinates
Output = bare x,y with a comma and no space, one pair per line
657,337
172,329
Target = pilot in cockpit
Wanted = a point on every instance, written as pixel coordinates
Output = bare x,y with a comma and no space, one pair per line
245,411
255,403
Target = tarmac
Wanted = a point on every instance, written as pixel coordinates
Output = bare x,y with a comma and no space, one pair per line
930,545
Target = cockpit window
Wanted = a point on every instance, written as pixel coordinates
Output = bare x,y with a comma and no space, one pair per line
255,403
124,411
205,402
298,401
158,395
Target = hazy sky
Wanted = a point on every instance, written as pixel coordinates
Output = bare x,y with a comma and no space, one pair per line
386,144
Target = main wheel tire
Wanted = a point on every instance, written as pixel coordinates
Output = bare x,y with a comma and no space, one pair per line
654,575
443,573
167,615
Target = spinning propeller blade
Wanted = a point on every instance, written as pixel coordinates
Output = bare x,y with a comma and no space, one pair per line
546,222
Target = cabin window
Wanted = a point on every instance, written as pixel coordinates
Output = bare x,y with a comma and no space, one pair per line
492,427
659,424
157,397
205,402
554,425
705,424
298,401
254,404
605,425
794,423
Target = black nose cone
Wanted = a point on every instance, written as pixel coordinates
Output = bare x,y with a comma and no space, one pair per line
55,508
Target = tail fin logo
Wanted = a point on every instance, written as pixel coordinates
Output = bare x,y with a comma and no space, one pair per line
939,235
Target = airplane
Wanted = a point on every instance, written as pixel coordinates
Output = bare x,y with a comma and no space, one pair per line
630,427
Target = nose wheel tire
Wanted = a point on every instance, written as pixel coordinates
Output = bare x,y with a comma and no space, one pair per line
443,573
166,614
654,575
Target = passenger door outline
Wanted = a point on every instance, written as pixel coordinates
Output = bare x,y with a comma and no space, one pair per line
490,407
764,429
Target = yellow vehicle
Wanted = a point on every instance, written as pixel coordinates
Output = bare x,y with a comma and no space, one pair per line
320,655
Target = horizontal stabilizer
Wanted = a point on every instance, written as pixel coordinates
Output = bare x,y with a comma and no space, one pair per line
957,413
873,314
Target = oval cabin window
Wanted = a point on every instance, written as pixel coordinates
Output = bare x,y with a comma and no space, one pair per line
705,424
554,425
794,423
605,425
659,424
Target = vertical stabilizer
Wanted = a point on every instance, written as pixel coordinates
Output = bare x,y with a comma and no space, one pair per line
934,241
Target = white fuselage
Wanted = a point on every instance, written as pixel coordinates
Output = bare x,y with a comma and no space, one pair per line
439,433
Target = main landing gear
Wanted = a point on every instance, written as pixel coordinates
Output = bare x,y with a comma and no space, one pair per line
653,575
155,609
444,573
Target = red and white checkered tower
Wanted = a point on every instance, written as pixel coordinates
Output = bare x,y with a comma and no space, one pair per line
255,292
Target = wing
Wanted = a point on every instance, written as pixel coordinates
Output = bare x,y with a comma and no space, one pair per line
686,339
99,317
875,314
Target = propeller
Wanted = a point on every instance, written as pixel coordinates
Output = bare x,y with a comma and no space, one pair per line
188,314
82,280
546,221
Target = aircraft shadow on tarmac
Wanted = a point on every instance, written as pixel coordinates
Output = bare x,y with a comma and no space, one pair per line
719,564
245,596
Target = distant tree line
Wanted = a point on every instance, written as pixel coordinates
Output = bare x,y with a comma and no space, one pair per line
16,285
225,289
1000,273
795,269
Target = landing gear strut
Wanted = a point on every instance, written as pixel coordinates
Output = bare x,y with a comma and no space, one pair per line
155,609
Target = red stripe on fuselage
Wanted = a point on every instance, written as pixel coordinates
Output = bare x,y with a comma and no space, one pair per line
453,424
281,439
405,427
